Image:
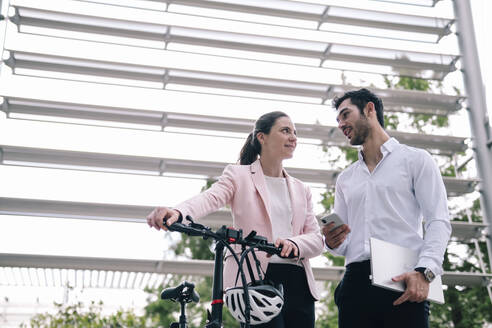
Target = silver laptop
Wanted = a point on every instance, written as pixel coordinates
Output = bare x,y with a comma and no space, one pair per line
389,260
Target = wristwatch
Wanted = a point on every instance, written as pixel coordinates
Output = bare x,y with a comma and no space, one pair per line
427,273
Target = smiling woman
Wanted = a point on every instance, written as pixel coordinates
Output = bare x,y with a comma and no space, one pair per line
264,198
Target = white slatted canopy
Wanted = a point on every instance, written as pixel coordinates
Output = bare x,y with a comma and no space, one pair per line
39,157
164,75
410,62
329,13
330,135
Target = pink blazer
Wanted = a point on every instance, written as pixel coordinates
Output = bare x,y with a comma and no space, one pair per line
243,187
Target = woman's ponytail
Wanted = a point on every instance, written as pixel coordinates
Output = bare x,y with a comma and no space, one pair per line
250,151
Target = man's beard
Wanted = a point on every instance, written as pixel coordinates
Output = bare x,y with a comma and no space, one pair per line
361,132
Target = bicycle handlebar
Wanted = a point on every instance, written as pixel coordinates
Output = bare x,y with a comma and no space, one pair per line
229,235
225,236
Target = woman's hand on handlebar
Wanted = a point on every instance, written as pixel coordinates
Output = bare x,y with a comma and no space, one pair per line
157,217
288,247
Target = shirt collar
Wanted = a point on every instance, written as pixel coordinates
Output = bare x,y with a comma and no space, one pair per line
387,147
390,145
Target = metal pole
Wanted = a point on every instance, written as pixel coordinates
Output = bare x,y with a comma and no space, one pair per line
477,109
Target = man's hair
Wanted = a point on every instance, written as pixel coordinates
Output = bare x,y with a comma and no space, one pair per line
360,98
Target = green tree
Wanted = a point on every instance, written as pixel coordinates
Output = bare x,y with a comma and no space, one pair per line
76,315
465,306
417,120
328,317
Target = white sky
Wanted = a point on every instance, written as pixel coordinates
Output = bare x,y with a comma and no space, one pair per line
129,240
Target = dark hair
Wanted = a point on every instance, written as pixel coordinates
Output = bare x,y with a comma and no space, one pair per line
252,147
360,98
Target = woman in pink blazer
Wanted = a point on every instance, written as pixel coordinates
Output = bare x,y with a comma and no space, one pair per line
264,198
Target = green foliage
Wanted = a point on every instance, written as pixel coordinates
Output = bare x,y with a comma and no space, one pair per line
467,306
391,121
387,81
421,120
77,316
351,154
412,83
328,318
200,248
473,211
328,199
449,171
418,120
208,184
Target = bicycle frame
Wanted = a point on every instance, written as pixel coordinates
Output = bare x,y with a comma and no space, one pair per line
215,320
223,238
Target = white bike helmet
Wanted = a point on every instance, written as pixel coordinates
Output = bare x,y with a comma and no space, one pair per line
266,303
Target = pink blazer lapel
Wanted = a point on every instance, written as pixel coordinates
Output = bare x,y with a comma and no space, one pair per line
260,185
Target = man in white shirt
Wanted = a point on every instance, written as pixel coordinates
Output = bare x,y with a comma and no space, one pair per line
386,194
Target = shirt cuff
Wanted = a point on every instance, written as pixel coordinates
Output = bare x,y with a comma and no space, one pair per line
426,262
334,251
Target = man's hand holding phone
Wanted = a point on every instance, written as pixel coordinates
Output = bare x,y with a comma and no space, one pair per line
334,230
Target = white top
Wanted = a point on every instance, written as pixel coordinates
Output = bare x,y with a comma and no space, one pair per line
390,204
280,211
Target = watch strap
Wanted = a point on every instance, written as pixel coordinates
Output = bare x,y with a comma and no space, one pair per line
423,270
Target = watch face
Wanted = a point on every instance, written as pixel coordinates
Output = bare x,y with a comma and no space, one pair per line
429,275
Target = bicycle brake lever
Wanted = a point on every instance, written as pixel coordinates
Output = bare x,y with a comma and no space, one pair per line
250,236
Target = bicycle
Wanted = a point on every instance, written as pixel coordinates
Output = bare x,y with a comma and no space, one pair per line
224,237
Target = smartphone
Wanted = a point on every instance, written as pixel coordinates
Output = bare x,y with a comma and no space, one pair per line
333,217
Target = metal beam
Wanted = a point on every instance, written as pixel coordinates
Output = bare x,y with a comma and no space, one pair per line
327,13
412,63
195,267
394,100
463,231
466,279
402,100
426,3
92,211
40,157
330,135
189,267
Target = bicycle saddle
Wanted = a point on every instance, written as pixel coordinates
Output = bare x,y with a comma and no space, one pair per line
184,292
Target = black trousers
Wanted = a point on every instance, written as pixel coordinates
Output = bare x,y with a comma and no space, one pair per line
298,309
360,304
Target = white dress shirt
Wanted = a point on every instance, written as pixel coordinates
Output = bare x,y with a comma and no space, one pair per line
391,203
